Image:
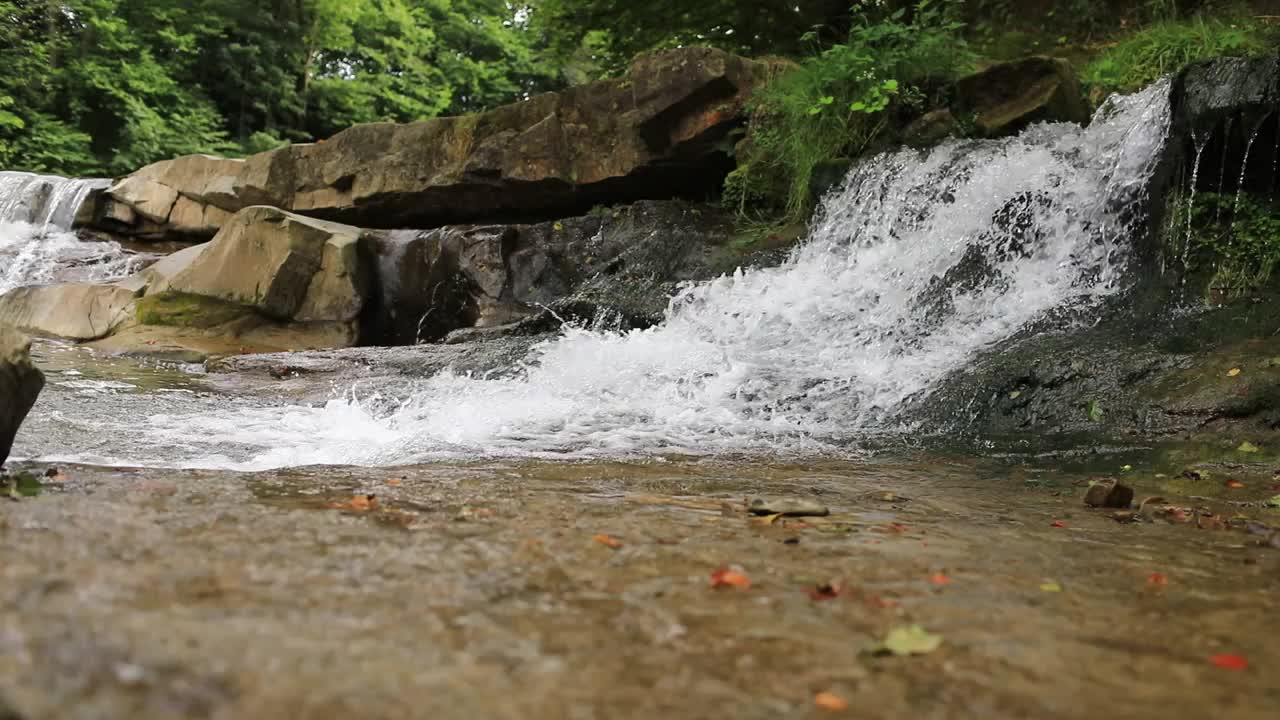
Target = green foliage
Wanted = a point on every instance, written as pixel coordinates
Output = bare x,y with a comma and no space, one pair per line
1237,242
1169,45
106,86
839,101
600,37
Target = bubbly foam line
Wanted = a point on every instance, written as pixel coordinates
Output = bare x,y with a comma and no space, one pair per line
913,267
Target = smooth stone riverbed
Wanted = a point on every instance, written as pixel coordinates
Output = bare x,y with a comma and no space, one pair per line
482,590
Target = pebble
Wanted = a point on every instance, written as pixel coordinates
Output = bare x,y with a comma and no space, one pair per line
790,507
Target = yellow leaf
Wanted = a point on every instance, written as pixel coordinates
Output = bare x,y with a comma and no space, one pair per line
1233,372
1247,447
911,640
1051,586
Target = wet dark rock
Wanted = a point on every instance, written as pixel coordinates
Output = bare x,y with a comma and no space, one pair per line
1007,97
1120,380
20,384
1109,494
930,129
618,267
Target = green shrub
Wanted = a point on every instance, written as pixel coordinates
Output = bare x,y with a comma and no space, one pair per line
1167,46
1234,241
840,100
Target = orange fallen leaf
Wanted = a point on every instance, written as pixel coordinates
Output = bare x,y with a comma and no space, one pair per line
1058,524
1235,484
831,702
1157,579
608,542
1230,662
724,577
940,579
358,503
395,482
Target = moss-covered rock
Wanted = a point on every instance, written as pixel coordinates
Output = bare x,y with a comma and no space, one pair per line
173,309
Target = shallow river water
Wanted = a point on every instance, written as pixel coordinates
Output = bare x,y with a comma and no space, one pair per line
479,588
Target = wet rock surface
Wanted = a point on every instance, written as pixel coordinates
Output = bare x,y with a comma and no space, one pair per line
20,385
482,590
1164,375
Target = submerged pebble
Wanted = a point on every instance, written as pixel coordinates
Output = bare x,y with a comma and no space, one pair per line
792,507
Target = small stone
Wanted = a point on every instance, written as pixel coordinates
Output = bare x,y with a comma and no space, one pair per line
1109,494
789,507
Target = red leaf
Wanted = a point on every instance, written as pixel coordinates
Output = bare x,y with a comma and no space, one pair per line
897,527
1235,484
940,579
1158,580
1058,524
724,577
1230,662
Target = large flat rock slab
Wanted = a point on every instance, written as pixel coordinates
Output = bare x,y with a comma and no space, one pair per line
654,133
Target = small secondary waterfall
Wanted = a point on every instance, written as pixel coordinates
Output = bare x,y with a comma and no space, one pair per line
914,266
36,242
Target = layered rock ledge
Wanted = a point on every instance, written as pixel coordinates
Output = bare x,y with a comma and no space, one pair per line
655,133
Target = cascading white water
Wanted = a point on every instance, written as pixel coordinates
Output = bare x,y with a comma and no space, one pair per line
914,266
36,245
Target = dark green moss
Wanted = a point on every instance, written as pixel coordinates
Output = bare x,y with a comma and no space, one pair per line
193,311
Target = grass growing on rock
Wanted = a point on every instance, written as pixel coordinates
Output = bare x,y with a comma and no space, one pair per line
1235,241
840,102
190,311
1166,47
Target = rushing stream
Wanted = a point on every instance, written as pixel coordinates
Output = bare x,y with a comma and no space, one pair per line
915,265
36,242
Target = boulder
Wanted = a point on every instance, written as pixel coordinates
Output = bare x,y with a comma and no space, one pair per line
621,265
655,133
1225,114
1006,97
20,383
75,311
284,266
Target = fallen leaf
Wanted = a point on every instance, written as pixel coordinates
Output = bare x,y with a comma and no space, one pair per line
608,542
1233,372
1247,447
1051,587
358,503
897,527
724,577
1235,484
830,702
1058,524
395,482
940,579
882,602
910,640
1230,662
1015,395
1126,468
1156,579
1274,502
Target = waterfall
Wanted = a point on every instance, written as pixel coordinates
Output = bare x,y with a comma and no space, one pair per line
36,242
917,264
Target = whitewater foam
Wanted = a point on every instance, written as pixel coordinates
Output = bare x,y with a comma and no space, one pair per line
914,266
